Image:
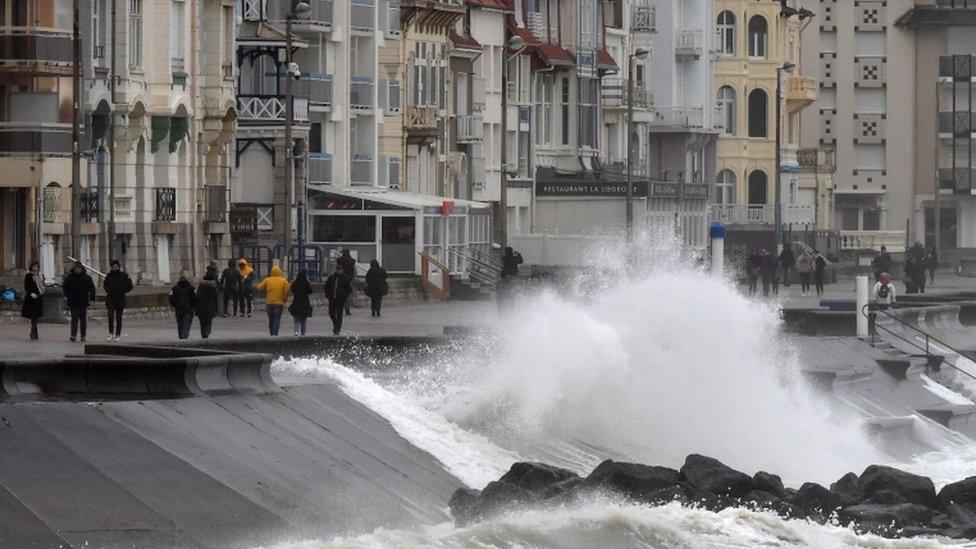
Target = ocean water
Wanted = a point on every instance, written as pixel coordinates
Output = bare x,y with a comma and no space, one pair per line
643,359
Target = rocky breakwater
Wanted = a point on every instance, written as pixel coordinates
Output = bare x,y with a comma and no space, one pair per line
881,500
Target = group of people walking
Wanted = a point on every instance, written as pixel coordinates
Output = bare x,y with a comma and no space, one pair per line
761,265
920,261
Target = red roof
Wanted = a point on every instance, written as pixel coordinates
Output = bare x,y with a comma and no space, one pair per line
554,55
604,61
503,5
464,41
514,28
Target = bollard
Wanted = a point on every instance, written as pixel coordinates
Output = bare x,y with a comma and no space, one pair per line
717,233
862,302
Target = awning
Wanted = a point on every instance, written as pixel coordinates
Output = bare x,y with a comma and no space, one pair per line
399,199
522,32
554,56
500,5
605,62
464,42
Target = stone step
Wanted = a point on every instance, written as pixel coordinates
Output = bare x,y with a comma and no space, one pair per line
948,414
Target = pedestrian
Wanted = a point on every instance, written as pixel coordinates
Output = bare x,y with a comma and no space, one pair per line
348,263
206,302
337,289
247,286
753,270
79,291
276,289
33,308
931,262
914,274
230,284
805,266
117,283
787,261
376,286
819,271
767,270
884,292
510,262
881,263
181,298
301,303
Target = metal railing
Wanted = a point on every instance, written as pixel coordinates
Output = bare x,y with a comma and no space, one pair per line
421,117
361,15
678,117
317,87
361,92
872,240
165,204
643,18
761,214
30,45
481,266
689,42
469,128
269,108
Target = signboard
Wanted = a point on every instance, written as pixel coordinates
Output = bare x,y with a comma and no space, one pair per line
243,218
586,189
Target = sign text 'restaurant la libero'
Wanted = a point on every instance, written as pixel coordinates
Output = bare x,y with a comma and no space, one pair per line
588,188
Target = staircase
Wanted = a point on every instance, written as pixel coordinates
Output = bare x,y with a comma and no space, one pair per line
483,274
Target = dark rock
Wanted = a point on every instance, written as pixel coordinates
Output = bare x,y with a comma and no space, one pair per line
682,493
462,501
563,489
498,496
711,475
868,516
912,488
769,483
758,500
847,486
961,518
962,492
632,479
535,477
812,497
885,497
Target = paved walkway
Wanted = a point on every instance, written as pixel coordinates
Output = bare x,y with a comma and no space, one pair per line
791,298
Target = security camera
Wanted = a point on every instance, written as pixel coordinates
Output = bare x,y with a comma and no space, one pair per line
294,71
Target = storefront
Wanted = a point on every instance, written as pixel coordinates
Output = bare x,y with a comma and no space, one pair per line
393,227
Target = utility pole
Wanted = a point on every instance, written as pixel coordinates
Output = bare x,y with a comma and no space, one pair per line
777,194
111,137
76,194
938,186
289,146
630,148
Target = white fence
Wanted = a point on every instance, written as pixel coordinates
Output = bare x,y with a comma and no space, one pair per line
558,250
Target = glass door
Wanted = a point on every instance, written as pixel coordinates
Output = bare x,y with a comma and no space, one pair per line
398,244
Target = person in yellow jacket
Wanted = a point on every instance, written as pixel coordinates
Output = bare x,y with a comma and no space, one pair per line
247,286
276,289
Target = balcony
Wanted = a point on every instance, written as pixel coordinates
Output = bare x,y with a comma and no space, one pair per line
265,109
469,128
35,138
361,15
320,15
800,91
361,92
317,87
165,204
26,49
215,201
677,118
615,94
255,10
643,17
956,180
420,122
960,68
361,170
320,169
762,214
123,209
53,205
955,123
815,159
689,43
613,15
873,240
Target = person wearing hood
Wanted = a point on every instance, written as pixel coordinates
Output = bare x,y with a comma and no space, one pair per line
205,302
884,292
79,291
276,289
376,286
348,263
117,283
230,284
181,298
33,308
301,303
510,262
805,266
337,289
246,286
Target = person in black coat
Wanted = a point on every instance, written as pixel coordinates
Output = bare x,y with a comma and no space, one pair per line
337,288
787,260
230,283
819,271
931,262
510,262
753,270
205,302
301,303
881,263
376,286
767,270
117,283
348,263
182,298
33,308
79,291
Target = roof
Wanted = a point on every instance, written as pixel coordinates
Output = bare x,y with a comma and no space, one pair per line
465,42
522,32
555,56
501,5
604,61
401,199
929,16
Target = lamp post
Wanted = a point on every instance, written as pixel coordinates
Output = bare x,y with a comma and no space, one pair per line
777,195
640,53
517,44
291,71
76,194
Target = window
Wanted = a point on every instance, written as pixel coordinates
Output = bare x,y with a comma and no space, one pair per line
177,37
726,33
726,104
99,29
758,108
757,187
543,110
725,187
757,36
565,111
315,138
135,33
230,35
346,228
589,91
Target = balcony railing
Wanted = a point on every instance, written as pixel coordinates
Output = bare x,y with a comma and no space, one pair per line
165,204
216,204
269,108
361,15
19,46
35,137
615,94
643,17
421,117
762,214
320,12
90,205
255,10
361,92
177,65
955,123
53,205
469,128
317,87
957,180
361,170
677,117
894,241
801,89
688,42
320,169
815,159
957,67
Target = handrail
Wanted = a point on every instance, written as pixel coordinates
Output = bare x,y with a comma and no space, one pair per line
928,339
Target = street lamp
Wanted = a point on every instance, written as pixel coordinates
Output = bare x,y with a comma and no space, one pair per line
777,200
640,53
291,71
517,45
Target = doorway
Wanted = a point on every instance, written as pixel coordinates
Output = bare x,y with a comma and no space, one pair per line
398,244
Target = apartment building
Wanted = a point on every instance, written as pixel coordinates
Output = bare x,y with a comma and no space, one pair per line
944,80
758,55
